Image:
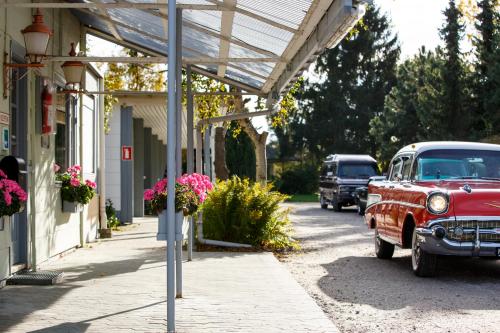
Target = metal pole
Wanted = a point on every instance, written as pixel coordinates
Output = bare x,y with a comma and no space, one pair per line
190,150
171,111
178,153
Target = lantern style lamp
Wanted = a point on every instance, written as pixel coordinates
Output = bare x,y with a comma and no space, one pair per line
36,39
73,70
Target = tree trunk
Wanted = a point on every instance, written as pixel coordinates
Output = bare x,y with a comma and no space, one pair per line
221,170
259,143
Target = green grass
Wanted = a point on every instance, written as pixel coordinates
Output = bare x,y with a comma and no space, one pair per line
303,198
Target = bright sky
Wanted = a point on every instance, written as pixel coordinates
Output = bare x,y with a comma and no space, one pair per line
416,22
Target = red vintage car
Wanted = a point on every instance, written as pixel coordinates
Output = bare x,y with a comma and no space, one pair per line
440,198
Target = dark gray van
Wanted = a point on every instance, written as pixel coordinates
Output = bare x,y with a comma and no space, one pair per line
341,175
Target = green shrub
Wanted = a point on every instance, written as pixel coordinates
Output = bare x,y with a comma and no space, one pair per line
113,221
301,179
243,212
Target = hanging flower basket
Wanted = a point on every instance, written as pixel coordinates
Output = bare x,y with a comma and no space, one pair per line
190,191
12,196
75,192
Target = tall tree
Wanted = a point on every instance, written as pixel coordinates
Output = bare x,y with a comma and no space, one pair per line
454,99
355,78
485,89
413,110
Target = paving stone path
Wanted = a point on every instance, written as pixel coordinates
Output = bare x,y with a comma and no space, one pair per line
118,285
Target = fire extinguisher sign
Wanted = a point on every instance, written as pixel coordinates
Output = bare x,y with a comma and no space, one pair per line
126,153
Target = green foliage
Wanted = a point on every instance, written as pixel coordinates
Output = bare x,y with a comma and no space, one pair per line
113,221
244,212
136,77
240,153
333,114
301,179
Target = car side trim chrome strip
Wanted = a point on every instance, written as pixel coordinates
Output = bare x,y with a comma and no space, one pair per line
402,203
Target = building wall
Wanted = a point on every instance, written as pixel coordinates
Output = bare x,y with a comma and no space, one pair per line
50,231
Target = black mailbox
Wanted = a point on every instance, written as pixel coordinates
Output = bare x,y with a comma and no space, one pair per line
14,168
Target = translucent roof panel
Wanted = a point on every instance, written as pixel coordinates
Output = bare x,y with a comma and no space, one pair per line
273,30
255,32
278,10
140,20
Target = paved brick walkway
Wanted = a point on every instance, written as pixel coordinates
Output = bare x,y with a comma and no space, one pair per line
118,285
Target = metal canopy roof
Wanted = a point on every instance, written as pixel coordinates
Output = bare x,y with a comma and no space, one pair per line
258,45
253,43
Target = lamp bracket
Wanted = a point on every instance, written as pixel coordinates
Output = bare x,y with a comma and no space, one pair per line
8,79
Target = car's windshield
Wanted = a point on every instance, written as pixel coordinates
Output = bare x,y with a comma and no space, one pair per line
357,171
458,164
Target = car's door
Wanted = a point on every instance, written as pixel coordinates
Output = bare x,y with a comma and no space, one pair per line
391,203
398,189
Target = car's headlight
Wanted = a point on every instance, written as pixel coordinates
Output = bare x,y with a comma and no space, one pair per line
437,203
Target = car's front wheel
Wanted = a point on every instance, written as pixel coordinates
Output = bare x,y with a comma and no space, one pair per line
322,202
383,249
423,264
337,206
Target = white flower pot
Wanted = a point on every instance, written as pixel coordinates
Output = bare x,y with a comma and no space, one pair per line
71,207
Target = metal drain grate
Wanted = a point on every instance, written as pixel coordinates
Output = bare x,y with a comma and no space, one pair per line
40,278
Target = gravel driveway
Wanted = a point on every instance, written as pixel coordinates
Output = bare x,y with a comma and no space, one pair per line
361,293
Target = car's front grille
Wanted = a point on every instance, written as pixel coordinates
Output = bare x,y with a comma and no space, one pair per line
489,231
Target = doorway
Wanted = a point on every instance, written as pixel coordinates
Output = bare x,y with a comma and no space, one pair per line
19,148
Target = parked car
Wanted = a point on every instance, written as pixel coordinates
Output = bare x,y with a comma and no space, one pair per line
441,198
341,175
362,194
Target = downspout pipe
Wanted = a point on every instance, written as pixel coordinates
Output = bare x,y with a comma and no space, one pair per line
199,168
103,223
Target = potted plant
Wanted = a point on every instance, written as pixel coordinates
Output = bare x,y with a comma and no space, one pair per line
12,198
74,191
190,191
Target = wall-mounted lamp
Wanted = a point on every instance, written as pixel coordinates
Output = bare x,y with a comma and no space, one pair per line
73,71
36,40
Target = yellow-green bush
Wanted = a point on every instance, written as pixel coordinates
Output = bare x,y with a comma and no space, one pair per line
239,211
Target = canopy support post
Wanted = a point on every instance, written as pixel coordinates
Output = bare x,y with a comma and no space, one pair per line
171,115
178,152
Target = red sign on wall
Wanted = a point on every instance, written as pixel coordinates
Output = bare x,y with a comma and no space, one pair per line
126,153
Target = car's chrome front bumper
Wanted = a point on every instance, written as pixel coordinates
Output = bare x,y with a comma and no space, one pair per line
472,246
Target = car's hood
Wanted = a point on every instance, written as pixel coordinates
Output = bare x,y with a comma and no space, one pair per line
471,197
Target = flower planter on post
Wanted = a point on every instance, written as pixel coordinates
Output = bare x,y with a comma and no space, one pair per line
71,206
190,192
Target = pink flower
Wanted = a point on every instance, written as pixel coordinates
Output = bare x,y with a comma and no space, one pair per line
56,167
149,195
2,174
90,183
7,197
74,182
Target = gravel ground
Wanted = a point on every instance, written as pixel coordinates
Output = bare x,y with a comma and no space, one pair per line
361,293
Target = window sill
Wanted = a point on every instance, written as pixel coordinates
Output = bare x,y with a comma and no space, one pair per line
58,184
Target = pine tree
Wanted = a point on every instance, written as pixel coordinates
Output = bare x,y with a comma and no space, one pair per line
454,99
485,89
356,76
